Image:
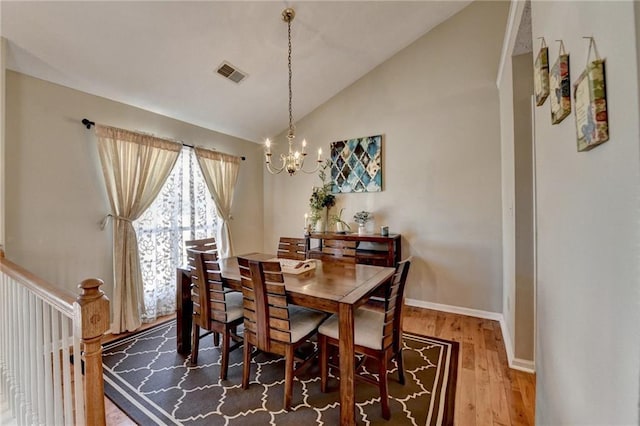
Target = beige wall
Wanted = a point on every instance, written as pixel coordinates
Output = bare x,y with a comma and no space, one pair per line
55,191
436,103
3,53
588,351
523,338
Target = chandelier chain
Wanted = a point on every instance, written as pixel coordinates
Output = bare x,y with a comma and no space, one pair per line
290,73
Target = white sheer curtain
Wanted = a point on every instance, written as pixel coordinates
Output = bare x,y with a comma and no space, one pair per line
135,166
184,210
220,171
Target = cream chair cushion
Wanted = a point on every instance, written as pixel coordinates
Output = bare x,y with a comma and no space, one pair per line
234,305
303,321
368,326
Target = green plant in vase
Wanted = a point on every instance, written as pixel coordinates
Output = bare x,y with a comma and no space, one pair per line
361,218
341,225
321,199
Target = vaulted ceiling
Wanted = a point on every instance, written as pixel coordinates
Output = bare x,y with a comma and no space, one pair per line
163,56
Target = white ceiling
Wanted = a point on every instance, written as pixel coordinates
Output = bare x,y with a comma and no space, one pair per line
162,56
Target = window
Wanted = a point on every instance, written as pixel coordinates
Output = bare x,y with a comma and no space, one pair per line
182,211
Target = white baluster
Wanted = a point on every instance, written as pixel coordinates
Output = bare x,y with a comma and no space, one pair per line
58,418
77,373
32,394
66,372
46,360
39,357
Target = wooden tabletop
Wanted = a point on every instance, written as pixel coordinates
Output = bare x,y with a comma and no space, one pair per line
324,287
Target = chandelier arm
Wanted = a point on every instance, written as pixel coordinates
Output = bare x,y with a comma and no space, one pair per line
274,170
311,171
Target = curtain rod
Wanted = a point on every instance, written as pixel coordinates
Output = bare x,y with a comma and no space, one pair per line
89,123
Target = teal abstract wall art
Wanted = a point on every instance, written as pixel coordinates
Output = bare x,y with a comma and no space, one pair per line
356,165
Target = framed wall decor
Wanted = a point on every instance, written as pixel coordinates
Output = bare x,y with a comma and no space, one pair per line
589,94
356,165
590,98
541,74
560,87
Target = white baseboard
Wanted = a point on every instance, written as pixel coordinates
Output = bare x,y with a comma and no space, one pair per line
515,363
523,365
454,309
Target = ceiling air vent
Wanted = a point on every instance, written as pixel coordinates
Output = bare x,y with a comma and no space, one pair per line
231,72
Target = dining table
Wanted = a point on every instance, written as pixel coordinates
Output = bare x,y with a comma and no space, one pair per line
331,287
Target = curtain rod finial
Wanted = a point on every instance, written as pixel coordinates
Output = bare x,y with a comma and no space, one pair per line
88,123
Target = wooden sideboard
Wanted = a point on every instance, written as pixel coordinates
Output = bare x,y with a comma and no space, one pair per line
383,250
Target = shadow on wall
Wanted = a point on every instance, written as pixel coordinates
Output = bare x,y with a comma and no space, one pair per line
444,274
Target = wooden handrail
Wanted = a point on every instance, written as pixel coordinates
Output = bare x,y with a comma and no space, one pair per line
90,315
62,299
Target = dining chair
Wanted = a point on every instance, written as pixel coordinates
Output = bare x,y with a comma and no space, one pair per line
339,251
214,308
377,335
204,244
271,324
292,248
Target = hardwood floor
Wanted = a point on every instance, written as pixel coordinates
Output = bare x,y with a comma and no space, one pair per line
488,391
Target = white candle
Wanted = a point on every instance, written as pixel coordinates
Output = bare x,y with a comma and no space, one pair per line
319,154
267,143
306,220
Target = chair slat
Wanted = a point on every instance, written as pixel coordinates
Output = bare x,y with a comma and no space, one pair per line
279,312
277,300
292,248
279,335
276,289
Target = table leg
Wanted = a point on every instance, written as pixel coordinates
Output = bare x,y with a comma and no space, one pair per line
184,312
347,365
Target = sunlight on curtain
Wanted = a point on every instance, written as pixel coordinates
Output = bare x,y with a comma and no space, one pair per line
184,210
220,172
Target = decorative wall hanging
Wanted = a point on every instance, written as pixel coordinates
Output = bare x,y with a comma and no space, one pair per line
356,165
589,93
541,74
560,87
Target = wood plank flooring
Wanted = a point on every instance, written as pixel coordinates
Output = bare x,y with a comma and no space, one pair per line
488,391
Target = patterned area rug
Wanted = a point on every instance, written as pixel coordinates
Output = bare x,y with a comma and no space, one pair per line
154,385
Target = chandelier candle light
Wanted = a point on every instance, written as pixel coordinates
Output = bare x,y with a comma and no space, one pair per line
292,162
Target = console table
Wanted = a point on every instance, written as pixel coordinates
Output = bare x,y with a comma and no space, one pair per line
389,253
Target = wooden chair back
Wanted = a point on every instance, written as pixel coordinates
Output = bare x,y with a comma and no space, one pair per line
205,244
266,317
339,251
292,248
207,290
394,296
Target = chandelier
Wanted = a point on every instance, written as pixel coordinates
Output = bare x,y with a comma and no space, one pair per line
293,161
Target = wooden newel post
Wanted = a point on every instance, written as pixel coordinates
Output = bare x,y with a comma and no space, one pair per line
92,315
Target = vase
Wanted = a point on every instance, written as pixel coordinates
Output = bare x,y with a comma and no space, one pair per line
362,230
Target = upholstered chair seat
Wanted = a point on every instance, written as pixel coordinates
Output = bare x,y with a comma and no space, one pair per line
368,325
